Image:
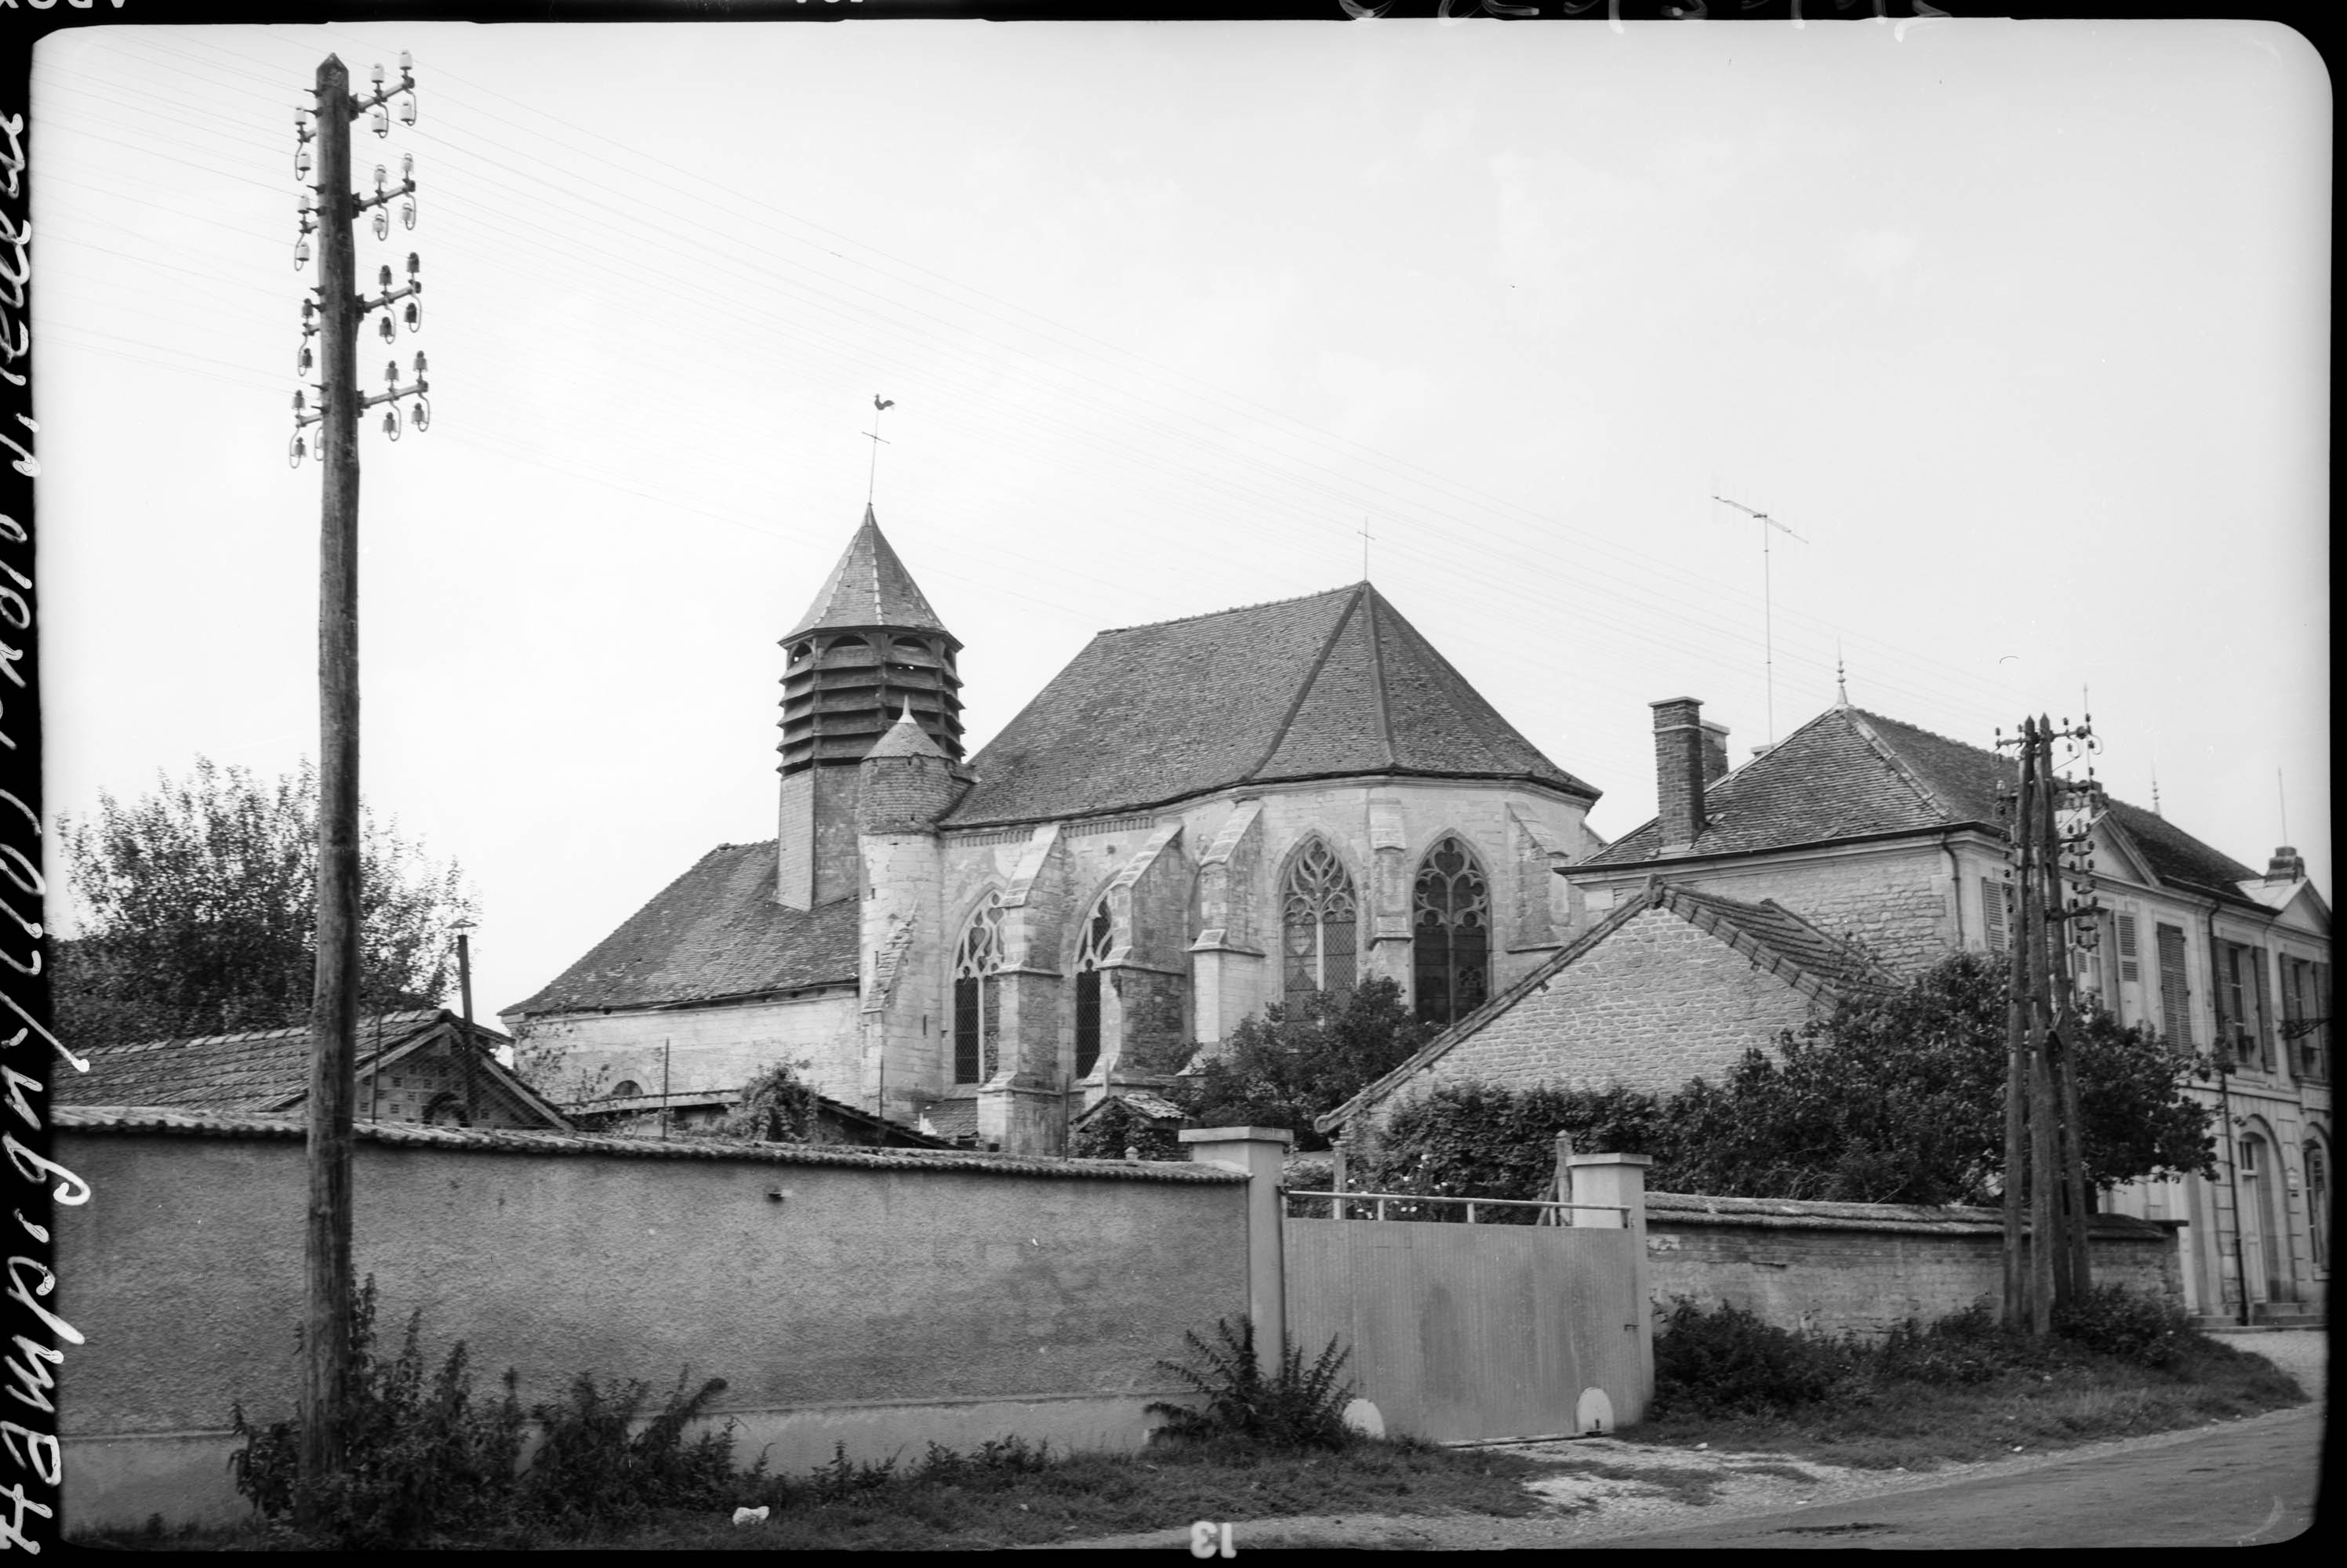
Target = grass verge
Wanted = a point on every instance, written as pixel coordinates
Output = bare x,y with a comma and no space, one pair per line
967,1504
2037,1397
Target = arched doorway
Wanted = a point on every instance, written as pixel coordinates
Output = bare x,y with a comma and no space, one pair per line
2265,1228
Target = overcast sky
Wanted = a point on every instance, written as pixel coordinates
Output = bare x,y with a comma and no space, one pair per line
2023,328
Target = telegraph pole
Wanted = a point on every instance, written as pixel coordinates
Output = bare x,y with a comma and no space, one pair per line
2054,915
334,317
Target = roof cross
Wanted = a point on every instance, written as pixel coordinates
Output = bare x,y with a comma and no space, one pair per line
879,405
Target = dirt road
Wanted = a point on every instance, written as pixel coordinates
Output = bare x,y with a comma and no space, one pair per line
2248,1482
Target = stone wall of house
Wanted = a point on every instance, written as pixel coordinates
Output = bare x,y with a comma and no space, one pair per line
1864,1269
1900,903
407,1089
879,1301
1655,1004
708,1047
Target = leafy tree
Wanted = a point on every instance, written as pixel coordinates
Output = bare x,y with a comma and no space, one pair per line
1895,1100
1119,1127
197,911
1482,1140
1902,1100
1302,1061
778,1107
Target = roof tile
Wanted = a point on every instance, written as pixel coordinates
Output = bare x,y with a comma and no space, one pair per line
870,587
1328,684
714,932
1850,774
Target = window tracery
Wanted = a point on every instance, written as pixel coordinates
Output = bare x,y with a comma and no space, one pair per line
1451,934
1320,926
978,1006
1100,936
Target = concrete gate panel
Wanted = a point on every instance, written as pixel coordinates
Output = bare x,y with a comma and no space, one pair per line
1472,1331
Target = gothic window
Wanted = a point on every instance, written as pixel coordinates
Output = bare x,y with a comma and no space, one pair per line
978,1004
1098,936
1451,935
1320,926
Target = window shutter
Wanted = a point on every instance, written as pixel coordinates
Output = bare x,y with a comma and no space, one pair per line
1994,914
2318,1039
2255,958
2175,993
2130,965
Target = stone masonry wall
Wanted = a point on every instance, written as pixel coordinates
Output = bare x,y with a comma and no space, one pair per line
711,1048
1655,1004
1898,904
1814,1274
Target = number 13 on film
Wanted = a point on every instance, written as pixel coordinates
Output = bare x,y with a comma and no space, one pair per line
1208,1539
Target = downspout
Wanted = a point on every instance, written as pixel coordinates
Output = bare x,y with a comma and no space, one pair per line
1955,890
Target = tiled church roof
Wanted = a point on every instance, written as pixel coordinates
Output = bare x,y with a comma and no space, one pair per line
1850,774
714,932
870,587
1330,684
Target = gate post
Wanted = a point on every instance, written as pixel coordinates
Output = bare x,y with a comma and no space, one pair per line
1260,1152
1621,1179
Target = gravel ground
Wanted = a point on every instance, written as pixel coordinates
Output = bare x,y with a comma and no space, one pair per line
1743,1484
2303,1353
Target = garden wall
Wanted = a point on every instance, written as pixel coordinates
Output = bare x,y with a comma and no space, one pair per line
1865,1267
881,1299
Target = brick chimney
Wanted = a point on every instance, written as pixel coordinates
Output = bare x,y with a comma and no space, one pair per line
1680,747
2287,866
1714,753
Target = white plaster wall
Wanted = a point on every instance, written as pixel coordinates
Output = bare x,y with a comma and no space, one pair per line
712,1047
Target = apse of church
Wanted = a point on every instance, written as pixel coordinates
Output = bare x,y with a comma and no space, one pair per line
1296,796
1193,821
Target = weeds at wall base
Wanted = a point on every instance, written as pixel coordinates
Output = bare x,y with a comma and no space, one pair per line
1957,1391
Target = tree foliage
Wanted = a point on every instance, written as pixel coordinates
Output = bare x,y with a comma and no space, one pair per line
1895,1100
197,911
1118,1127
1300,1061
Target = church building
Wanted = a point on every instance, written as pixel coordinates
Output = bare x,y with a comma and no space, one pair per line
1194,820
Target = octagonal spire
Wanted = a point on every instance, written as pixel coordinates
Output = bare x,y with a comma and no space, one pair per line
869,589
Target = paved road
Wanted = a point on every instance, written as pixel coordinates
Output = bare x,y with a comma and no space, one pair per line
2248,1482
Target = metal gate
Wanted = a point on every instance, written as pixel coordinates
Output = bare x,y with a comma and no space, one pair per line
1469,1331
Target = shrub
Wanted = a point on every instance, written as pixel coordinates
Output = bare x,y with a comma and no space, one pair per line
422,1461
590,1472
1118,1127
1300,1407
424,1465
1489,1141
2115,1321
1968,1346
1730,1362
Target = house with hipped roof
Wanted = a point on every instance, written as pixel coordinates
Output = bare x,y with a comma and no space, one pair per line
425,1065
1193,821
1860,849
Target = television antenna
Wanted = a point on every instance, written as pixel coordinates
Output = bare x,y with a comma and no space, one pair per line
1768,621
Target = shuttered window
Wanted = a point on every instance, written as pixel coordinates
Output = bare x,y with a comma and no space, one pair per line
2175,993
2254,960
1996,913
2130,964
2318,1039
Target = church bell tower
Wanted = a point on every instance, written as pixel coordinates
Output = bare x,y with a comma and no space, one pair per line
867,650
